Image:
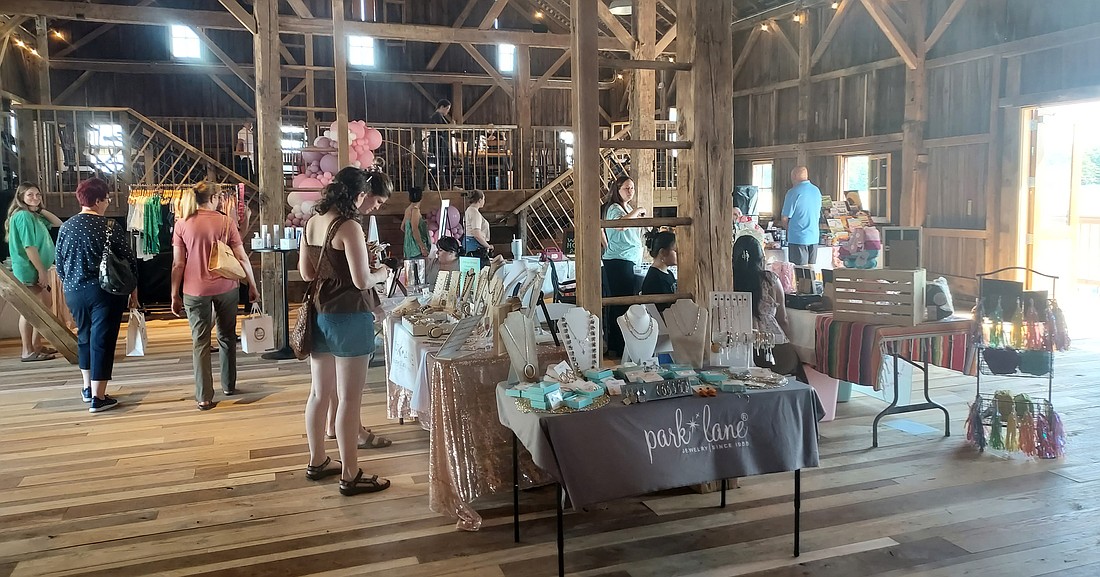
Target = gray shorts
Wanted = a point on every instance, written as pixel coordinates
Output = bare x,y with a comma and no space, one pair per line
802,254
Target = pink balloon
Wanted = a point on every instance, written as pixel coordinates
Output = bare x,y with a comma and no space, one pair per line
322,142
297,180
310,183
311,156
330,163
373,138
358,127
366,158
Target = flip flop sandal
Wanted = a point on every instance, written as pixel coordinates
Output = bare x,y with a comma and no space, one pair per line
374,442
35,357
360,485
48,351
330,437
206,405
316,473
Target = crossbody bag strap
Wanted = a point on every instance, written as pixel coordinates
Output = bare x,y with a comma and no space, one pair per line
332,228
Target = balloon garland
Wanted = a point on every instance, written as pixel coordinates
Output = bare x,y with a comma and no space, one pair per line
319,167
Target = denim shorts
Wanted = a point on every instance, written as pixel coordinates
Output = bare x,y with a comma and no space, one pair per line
344,334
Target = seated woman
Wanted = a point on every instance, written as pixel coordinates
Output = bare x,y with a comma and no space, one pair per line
446,259
769,311
659,281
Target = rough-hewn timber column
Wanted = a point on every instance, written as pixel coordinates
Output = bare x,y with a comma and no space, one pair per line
705,178
586,166
914,163
522,171
643,102
269,154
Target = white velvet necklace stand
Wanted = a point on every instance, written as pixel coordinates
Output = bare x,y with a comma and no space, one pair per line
639,334
518,336
581,335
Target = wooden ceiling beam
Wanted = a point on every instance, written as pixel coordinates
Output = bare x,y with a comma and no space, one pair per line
941,26
492,14
666,40
439,50
550,72
423,92
300,8
155,16
487,67
743,57
831,30
100,31
477,104
294,92
783,39
74,86
242,15
616,27
892,33
11,25
233,94
225,59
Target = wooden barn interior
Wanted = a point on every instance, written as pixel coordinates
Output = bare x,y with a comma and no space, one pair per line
975,123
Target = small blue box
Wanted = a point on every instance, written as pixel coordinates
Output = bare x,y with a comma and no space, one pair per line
731,386
577,401
535,404
597,375
598,391
514,392
540,390
713,376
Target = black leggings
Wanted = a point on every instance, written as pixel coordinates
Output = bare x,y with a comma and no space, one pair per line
98,315
618,282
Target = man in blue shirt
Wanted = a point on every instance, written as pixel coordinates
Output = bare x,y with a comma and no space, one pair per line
801,215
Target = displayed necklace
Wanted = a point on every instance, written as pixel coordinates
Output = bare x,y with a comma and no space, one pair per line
637,334
573,342
694,327
573,334
528,367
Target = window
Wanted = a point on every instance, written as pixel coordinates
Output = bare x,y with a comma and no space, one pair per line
361,51
506,58
105,143
762,180
185,43
869,177
293,137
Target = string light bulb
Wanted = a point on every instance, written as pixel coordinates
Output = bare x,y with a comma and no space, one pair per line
835,5
619,76
59,35
20,43
797,17
764,26
34,51
538,14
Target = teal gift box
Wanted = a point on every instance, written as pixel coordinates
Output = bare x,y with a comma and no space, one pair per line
539,391
576,401
598,391
678,373
625,372
514,392
539,405
597,375
713,376
679,367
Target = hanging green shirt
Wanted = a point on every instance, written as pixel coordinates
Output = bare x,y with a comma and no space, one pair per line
29,230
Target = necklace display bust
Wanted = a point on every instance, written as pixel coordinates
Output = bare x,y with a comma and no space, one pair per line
687,329
639,334
580,332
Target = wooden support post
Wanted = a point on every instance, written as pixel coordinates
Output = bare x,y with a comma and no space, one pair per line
643,103
914,161
36,313
458,106
340,61
28,146
993,169
805,49
586,167
525,132
705,179
311,90
42,38
1012,229
269,157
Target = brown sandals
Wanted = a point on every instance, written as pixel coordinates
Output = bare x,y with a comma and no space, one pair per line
318,472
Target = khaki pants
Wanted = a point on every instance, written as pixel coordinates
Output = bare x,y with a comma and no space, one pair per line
202,320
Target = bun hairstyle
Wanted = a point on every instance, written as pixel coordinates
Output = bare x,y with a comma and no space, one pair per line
416,194
448,244
189,203
475,196
340,194
656,241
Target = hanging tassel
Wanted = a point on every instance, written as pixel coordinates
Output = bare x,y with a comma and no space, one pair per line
1058,432
1044,437
975,430
1026,419
1005,409
1061,329
996,439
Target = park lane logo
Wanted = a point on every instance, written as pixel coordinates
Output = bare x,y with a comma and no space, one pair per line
700,434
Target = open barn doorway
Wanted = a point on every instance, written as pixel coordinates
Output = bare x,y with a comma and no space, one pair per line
1063,223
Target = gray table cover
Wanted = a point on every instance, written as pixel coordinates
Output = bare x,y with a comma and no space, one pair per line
621,451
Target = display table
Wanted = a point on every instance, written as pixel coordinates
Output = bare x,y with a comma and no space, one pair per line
621,451
854,352
407,391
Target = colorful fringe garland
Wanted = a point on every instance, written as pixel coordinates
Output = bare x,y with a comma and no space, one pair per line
1016,424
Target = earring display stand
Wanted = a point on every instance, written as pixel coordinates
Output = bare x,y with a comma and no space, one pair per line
639,334
731,330
518,335
687,329
581,335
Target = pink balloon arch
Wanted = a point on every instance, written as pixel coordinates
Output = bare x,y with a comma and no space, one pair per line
319,166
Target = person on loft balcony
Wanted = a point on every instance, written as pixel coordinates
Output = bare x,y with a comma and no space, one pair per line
801,215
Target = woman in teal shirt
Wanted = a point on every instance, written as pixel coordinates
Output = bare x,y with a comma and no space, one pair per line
622,252
415,229
32,254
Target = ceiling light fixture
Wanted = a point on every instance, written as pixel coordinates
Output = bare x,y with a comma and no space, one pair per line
619,76
764,26
19,43
621,7
797,17
58,34
836,5
538,14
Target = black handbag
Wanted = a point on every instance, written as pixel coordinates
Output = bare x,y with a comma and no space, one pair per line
115,274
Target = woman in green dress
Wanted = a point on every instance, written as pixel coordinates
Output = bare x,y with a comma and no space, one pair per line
32,254
417,241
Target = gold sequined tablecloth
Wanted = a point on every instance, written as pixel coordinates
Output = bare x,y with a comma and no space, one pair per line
470,453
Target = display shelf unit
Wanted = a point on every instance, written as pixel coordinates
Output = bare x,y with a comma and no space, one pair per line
1039,362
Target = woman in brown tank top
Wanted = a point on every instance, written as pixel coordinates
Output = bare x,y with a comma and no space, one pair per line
335,254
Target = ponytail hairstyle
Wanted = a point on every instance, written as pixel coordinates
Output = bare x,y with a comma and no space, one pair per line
658,240
748,270
416,194
342,193
19,203
201,194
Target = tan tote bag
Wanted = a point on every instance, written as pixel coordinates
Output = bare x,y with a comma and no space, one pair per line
222,260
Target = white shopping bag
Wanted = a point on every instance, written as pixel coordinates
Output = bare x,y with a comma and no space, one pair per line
136,337
257,332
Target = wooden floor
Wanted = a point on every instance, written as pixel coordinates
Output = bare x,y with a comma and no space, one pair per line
158,488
